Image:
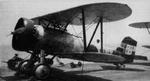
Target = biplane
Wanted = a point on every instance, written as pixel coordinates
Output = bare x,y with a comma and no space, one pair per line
142,25
47,35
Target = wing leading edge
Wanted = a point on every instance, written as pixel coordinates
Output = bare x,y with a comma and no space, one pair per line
109,12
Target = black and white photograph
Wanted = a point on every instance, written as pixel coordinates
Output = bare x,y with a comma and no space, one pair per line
74,40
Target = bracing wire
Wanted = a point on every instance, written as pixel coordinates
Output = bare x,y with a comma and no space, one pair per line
87,28
89,25
76,33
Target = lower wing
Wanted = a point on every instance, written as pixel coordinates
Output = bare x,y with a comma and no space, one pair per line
92,57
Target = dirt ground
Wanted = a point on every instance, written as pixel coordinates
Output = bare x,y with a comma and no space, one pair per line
137,71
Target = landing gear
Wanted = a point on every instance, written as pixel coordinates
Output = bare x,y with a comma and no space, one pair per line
42,70
24,68
38,66
14,63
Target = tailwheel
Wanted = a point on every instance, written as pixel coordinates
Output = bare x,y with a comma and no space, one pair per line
41,71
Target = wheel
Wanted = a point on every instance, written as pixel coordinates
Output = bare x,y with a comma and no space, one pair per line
41,71
13,64
72,65
79,64
23,68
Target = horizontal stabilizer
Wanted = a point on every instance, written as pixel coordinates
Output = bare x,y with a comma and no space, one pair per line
140,57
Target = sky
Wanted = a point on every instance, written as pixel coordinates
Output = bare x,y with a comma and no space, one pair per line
114,32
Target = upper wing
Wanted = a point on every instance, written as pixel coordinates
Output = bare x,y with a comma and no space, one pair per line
140,25
109,12
92,57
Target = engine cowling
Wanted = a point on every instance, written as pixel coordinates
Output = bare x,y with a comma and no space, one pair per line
23,35
24,22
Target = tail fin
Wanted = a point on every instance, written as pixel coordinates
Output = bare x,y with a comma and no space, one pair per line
127,49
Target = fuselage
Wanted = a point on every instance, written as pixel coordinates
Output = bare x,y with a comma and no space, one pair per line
48,39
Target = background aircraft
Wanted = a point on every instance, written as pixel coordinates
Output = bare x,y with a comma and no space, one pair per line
142,25
47,35
127,50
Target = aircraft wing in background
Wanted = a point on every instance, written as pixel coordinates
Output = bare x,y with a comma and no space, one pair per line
140,25
146,46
